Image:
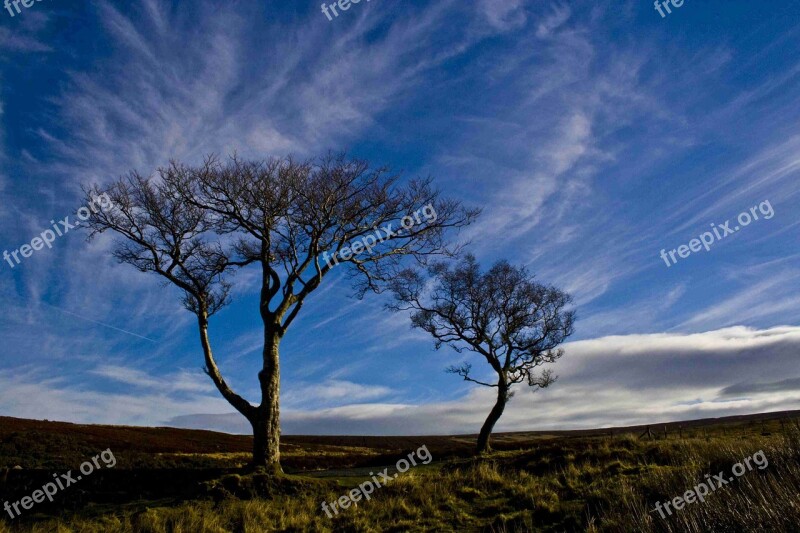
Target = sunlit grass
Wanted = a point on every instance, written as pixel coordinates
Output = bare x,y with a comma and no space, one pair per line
582,484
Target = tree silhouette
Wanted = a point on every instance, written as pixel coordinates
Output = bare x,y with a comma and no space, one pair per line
195,225
515,323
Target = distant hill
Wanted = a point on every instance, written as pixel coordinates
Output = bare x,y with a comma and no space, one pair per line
169,475
42,443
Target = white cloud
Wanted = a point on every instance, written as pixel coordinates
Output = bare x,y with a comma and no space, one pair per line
332,391
181,93
559,14
32,395
551,106
3,161
611,381
504,15
20,40
179,382
773,297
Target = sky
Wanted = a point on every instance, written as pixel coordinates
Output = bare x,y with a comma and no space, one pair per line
593,135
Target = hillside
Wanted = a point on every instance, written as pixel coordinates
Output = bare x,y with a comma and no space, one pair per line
166,479
62,445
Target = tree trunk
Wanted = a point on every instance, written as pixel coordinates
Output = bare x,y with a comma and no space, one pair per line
267,420
266,443
494,416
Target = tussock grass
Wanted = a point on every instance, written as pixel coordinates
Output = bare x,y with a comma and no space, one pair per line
597,484
759,500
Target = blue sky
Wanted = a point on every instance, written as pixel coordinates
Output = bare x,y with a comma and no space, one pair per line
592,134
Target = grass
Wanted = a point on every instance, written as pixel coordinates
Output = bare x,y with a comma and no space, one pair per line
591,483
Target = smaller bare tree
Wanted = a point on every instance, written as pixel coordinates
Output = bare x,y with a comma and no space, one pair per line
504,315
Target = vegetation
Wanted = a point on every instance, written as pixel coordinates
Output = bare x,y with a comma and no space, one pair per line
504,315
194,227
595,482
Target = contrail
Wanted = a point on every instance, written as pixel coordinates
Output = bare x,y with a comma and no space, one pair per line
99,323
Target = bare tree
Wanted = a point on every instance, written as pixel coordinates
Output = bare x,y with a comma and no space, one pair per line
195,226
515,323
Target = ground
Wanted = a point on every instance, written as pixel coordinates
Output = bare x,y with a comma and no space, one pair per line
603,480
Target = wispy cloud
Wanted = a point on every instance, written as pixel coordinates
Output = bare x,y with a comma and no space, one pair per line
630,380
591,138
333,392
776,298
30,395
23,38
180,382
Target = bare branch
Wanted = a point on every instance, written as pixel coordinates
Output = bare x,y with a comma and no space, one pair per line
464,371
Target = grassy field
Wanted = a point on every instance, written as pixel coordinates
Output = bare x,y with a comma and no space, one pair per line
175,480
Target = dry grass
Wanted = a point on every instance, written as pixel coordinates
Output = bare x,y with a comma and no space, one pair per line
759,500
597,484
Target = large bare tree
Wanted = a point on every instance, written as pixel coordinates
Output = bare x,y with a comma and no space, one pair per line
513,322
296,221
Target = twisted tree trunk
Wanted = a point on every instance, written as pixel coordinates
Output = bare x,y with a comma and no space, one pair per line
494,416
264,418
267,420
